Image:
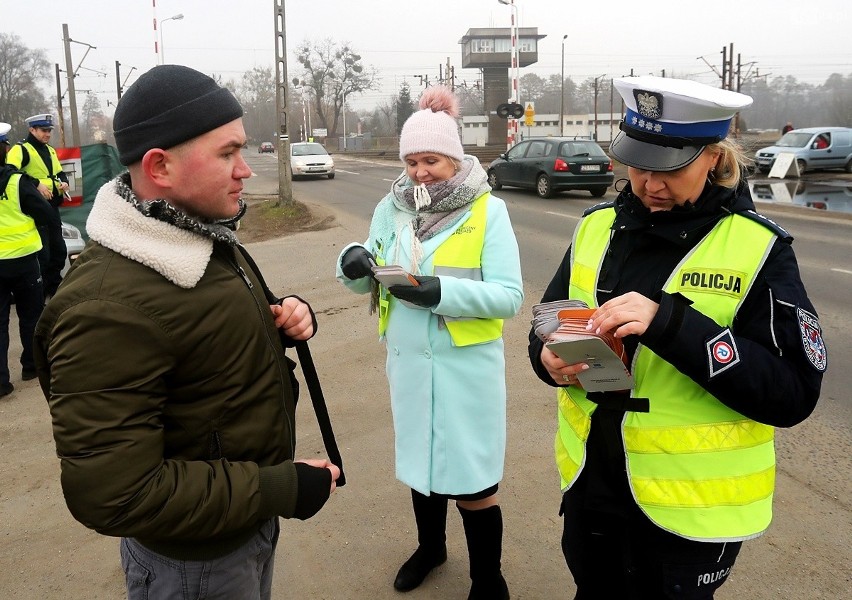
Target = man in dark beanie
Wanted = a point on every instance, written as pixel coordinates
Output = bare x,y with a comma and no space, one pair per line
171,397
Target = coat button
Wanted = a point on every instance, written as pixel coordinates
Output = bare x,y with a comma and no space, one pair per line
428,354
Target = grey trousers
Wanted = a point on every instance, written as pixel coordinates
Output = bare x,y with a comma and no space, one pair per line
244,574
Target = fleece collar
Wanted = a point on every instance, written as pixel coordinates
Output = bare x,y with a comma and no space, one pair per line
179,255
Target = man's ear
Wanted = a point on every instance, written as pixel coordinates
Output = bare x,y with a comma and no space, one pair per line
155,165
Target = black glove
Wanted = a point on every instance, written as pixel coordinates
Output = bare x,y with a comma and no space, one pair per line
357,263
313,490
427,294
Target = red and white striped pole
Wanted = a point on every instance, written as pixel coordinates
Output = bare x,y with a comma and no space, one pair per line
512,132
156,40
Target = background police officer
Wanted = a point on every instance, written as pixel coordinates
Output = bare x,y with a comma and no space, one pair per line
20,275
35,157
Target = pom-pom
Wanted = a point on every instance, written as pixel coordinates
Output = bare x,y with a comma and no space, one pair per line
440,98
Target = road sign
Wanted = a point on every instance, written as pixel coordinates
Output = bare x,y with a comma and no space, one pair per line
529,113
785,165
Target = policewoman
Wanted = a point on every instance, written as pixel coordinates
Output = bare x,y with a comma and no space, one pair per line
445,360
663,483
37,158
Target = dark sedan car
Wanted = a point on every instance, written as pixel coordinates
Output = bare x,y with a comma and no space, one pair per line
549,165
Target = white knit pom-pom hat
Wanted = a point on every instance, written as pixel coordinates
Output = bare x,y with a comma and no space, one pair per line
434,127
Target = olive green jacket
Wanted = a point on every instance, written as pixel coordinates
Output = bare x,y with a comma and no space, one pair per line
172,404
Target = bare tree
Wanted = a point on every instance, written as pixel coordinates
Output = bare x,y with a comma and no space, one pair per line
94,121
839,105
256,92
331,73
21,71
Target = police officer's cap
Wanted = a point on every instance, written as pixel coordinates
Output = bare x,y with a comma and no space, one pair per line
668,122
43,121
5,128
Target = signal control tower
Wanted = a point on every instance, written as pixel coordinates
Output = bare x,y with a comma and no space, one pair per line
490,49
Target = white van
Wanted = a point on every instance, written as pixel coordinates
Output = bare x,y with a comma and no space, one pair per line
814,148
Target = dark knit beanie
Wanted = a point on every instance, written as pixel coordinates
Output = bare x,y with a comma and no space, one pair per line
169,105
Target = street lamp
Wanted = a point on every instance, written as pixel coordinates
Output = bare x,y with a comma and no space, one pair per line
513,123
562,97
177,17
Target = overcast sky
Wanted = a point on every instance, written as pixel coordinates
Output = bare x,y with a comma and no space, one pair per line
404,38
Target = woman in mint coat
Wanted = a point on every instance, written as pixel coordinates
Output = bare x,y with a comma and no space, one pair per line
445,361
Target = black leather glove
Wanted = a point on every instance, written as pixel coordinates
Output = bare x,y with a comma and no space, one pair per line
357,263
427,294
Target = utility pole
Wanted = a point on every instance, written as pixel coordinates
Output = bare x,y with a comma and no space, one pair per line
72,94
285,176
118,79
59,107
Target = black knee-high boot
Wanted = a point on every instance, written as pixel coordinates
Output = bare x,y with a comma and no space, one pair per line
484,532
430,513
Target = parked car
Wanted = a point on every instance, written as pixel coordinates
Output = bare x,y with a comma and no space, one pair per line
74,244
310,159
266,147
812,147
554,164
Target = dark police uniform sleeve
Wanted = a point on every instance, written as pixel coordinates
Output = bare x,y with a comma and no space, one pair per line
775,373
33,205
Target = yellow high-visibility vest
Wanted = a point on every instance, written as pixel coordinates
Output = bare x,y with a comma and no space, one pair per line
460,255
18,233
696,467
35,166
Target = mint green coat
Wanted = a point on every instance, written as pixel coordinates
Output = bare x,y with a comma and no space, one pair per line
448,402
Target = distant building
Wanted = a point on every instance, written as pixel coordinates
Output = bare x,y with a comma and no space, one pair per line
474,128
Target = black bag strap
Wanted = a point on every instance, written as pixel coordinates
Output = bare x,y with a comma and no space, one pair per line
25,155
311,378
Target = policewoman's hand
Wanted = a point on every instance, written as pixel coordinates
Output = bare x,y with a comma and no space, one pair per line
357,263
562,373
427,294
628,314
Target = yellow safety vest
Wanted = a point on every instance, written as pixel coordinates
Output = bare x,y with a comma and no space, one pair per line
696,467
18,233
460,255
35,166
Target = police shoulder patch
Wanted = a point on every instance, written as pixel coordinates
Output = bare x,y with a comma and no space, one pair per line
812,341
722,353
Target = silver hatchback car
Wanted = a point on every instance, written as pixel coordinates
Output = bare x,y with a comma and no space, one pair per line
310,159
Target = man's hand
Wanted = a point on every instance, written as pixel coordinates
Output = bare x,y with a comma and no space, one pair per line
324,463
427,294
63,186
294,317
357,263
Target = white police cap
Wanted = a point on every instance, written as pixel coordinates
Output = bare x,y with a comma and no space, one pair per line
5,128
668,122
42,120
